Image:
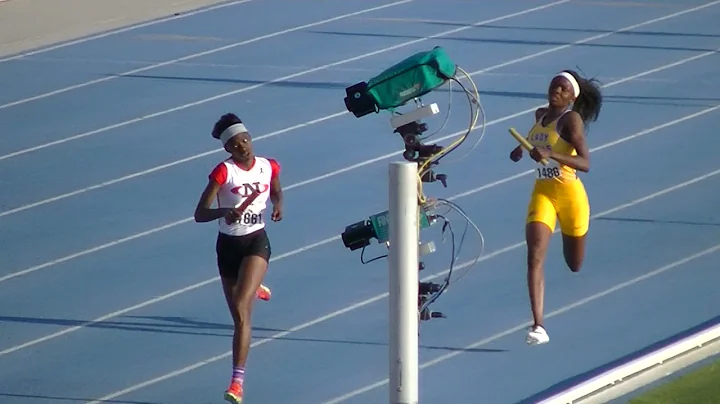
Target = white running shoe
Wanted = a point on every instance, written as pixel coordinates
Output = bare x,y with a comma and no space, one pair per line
537,335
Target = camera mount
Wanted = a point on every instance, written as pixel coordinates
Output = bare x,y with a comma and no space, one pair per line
409,297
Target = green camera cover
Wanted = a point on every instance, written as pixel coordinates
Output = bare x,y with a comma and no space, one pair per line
415,76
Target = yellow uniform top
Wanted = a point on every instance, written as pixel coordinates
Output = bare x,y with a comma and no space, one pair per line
548,137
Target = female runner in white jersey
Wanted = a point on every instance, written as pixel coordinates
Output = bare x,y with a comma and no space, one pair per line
243,247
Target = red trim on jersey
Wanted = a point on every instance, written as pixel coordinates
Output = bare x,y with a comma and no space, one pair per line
219,174
275,168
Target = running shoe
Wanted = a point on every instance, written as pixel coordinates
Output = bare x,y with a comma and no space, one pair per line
537,335
234,393
263,293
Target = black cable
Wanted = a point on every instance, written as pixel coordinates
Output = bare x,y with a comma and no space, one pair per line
362,253
468,222
446,283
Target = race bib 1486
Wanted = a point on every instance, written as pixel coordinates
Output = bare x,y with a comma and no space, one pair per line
548,172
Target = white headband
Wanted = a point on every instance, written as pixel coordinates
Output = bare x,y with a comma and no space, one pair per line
571,79
231,132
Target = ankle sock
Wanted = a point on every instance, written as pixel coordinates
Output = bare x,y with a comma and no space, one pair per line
238,374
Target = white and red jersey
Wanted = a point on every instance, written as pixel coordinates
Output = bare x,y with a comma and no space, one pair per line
236,185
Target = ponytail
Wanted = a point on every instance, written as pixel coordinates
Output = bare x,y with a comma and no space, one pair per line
589,102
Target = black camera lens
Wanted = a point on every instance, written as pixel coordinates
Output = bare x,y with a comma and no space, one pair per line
358,235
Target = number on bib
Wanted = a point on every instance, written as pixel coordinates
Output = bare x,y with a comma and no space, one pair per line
547,173
250,218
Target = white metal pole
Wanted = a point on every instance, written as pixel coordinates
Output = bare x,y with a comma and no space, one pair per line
403,282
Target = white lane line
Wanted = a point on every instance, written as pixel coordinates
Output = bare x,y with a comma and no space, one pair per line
337,238
277,80
151,170
341,113
450,355
335,64
199,54
523,326
362,164
320,120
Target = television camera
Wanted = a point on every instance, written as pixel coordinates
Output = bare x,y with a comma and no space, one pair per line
410,79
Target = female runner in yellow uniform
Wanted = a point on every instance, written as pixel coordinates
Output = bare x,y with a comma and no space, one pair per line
559,137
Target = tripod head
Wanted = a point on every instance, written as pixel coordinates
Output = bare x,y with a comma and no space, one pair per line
418,152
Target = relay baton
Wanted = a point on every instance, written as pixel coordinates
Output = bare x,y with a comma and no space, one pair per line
524,143
244,204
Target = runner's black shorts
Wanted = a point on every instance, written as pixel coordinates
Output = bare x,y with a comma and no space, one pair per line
231,250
